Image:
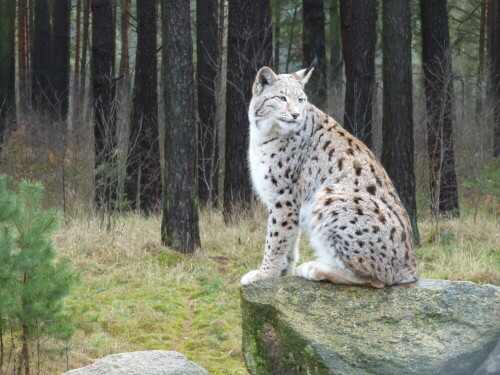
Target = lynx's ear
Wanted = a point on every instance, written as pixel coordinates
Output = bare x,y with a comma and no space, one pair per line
302,76
265,77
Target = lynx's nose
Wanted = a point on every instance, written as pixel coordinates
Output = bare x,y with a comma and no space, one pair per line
295,115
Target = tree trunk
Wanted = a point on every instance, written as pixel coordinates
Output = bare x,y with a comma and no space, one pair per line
436,61
25,354
207,64
22,54
397,122
358,18
480,64
103,58
143,187
42,88
180,228
124,102
60,58
336,61
7,95
313,45
291,38
277,35
76,73
249,48
85,47
495,75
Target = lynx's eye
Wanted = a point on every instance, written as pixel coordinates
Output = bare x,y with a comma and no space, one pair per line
282,98
301,100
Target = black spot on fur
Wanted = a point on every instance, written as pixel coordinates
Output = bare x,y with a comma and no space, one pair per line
340,163
326,144
371,189
375,229
278,205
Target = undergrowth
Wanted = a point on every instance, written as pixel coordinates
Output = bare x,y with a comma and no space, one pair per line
135,294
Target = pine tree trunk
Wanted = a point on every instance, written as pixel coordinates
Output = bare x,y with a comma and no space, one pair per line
358,18
124,100
313,45
277,35
495,75
76,72
336,61
85,47
291,37
249,48
180,228
25,354
60,58
22,54
207,65
42,87
143,187
480,64
103,58
436,61
397,123
7,95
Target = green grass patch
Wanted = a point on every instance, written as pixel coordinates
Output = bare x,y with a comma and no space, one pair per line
137,295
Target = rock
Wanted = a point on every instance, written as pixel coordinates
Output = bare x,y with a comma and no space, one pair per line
151,362
492,364
294,326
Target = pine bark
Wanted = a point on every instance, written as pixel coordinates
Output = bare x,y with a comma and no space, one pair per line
42,89
60,57
76,72
358,18
277,35
249,48
180,228
7,94
207,65
22,53
397,122
85,46
143,187
336,61
313,46
438,84
495,75
103,59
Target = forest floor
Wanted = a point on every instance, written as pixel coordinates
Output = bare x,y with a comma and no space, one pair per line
134,294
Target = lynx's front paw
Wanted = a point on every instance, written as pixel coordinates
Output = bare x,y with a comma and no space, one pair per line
253,276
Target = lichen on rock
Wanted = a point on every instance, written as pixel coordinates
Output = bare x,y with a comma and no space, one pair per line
295,326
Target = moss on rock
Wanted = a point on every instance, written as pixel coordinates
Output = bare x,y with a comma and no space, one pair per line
295,326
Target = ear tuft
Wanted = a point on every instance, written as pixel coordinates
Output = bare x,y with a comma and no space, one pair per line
302,76
265,77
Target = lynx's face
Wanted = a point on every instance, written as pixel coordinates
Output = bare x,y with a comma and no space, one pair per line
279,104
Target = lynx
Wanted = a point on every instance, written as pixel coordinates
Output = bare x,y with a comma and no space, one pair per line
315,176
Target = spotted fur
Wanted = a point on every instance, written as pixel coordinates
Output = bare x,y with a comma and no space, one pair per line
314,176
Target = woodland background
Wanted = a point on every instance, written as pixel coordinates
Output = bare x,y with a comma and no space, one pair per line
134,115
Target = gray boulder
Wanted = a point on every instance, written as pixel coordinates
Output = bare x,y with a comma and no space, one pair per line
151,362
294,326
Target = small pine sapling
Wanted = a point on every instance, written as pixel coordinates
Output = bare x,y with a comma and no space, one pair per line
32,282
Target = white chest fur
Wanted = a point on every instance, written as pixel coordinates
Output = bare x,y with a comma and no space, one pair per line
259,161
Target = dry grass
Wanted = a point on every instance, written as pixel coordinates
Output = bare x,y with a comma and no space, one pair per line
135,294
